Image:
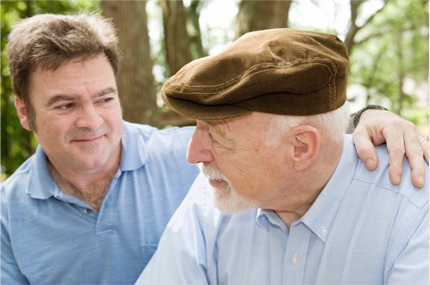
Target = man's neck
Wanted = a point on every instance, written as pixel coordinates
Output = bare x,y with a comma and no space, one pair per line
310,184
300,207
89,188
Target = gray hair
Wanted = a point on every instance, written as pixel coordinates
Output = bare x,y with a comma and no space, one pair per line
331,124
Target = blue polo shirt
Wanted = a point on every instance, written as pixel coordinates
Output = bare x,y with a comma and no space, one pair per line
49,237
360,230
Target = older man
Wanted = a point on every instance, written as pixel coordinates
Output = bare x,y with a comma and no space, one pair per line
293,202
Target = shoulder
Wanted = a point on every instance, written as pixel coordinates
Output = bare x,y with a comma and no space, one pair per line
150,141
163,152
15,196
19,180
380,178
148,131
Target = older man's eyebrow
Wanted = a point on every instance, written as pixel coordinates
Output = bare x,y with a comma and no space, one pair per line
211,123
218,125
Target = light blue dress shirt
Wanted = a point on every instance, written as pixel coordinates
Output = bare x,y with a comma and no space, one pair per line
48,237
360,230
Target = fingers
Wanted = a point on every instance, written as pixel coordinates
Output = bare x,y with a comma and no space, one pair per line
365,148
396,151
402,138
414,153
425,148
396,154
414,149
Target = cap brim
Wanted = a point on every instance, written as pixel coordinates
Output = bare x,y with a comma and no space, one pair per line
197,111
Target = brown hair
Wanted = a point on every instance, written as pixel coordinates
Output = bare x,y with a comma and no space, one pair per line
46,41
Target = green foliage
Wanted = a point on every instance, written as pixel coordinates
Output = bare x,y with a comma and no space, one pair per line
17,144
391,51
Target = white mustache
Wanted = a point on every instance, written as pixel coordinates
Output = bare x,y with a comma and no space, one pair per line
226,199
212,173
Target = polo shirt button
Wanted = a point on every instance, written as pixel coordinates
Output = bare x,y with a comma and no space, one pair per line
87,211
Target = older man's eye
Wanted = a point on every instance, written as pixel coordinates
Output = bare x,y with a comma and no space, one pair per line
212,138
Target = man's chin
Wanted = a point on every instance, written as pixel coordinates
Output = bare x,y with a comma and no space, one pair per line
231,209
229,204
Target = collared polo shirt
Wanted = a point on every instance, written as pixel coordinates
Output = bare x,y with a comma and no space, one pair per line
49,237
360,230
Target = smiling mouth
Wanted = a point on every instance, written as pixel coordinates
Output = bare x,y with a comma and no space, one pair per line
84,140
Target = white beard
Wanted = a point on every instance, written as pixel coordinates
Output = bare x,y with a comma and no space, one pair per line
226,199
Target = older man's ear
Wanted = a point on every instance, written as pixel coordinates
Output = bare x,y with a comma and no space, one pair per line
305,146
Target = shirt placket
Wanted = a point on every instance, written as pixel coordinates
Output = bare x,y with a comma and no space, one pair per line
296,254
105,221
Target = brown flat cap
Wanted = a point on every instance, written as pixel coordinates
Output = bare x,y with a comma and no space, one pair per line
278,71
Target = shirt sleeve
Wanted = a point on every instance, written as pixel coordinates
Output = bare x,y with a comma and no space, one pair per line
182,255
412,265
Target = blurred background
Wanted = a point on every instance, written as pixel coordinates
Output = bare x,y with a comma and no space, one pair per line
387,42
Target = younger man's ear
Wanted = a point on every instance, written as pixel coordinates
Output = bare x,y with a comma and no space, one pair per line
306,146
21,109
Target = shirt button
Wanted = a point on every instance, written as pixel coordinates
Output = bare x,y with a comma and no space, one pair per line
323,231
294,258
87,211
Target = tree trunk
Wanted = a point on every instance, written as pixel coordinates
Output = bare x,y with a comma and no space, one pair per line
177,43
353,27
400,74
176,38
197,49
261,14
136,84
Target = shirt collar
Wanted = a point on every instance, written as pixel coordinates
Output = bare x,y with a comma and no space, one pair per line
133,153
322,213
133,156
40,184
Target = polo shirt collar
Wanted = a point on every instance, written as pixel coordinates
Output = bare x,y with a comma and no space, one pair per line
134,151
40,185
